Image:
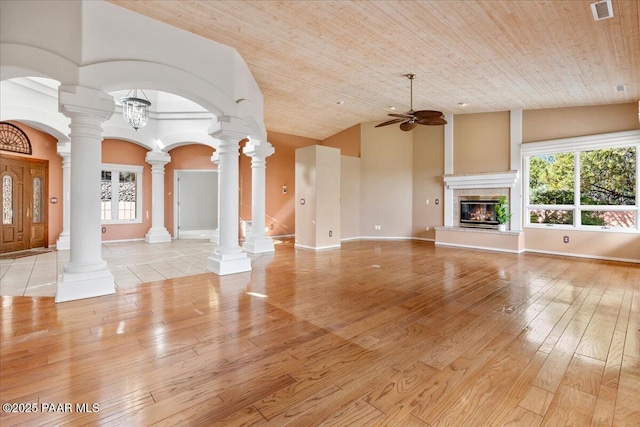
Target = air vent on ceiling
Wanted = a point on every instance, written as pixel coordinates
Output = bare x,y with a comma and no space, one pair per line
602,10
620,88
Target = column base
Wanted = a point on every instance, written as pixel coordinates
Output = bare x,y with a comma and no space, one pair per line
258,245
160,235
223,264
74,286
64,242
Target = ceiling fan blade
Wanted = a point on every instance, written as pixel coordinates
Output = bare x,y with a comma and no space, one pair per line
432,121
404,116
407,126
390,122
424,114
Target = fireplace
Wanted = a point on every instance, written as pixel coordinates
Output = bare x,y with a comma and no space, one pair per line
478,213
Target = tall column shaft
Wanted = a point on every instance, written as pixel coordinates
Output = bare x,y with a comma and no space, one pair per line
86,158
157,233
86,275
215,235
229,153
64,239
228,257
258,241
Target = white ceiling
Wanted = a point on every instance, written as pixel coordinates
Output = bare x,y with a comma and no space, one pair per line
495,55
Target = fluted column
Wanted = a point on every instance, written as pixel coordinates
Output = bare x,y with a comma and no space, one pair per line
215,234
157,233
86,275
228,257
64,239
258,241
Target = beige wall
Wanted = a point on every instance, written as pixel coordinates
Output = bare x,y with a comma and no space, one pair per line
617,246
193,156
556,123
348,141
428,169
44,147
127,153
280,207
349,197
481,143
386,181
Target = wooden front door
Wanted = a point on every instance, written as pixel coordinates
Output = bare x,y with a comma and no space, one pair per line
24,207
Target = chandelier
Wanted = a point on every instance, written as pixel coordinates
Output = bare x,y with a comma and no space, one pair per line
135,111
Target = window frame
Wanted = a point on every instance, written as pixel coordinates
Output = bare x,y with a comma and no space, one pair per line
115,170
577,145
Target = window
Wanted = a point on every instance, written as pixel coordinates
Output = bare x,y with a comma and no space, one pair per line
121,195
588,182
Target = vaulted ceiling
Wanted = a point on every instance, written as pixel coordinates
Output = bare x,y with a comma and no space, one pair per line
324,66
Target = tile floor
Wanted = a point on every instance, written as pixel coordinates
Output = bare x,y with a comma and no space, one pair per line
131,263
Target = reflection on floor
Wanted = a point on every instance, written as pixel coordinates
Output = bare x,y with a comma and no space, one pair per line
131,263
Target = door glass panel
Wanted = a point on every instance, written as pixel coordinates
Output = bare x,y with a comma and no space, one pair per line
37,199
7,200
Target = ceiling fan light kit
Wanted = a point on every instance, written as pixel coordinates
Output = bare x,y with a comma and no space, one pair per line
411,118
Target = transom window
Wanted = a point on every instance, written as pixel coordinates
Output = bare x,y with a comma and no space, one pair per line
588,182
121,194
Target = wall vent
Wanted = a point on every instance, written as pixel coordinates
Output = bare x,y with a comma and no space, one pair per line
620,88
602,10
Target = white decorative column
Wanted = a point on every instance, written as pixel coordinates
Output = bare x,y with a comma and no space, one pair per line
215,234
516,202
157,233
64,239
258,241
228,257
448,170
86,275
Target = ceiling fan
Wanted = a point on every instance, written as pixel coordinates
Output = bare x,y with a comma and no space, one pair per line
411,118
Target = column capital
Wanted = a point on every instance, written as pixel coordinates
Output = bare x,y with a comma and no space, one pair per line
261,149
157,158
63,148
79,100
229,129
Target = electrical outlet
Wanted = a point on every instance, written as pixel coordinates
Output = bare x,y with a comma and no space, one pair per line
565,239
427,228
377,227
427,201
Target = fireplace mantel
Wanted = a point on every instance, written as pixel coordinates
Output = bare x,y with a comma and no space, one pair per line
481,180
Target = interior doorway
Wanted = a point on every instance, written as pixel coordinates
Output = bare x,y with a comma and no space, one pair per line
24,203
196,203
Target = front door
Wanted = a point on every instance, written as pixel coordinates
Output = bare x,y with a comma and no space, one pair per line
24,207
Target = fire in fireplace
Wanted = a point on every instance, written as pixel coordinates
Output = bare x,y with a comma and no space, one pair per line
478,213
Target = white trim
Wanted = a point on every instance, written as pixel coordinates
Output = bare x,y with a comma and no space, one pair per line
482,180
581,143
484,248
316,248
605,258
122,240
385,238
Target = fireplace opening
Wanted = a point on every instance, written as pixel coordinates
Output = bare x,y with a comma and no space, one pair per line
478,213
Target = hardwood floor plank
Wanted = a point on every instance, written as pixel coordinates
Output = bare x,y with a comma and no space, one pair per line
584,374
537,400
570,407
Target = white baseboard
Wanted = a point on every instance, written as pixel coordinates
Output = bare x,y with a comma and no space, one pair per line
483,248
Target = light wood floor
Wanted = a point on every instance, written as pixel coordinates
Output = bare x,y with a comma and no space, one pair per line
376,333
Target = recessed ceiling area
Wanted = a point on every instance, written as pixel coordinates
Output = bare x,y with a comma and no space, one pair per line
494,55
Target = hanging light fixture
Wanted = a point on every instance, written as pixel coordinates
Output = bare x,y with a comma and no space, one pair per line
135,111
